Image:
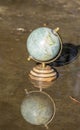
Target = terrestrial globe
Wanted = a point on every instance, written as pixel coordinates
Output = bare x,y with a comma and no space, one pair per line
38,108
44,44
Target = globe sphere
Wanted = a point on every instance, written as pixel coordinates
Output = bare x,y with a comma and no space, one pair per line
43,44
38,108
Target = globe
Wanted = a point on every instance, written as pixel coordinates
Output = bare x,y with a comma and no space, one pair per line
43,44
38,108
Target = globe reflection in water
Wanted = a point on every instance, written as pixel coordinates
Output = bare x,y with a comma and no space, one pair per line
38,108
43,44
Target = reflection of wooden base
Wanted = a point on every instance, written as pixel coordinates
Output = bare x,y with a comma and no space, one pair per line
41,84
40,73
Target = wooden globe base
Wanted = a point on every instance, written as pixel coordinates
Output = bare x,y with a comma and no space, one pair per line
41,73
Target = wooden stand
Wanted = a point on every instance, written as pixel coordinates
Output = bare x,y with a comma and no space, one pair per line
43,73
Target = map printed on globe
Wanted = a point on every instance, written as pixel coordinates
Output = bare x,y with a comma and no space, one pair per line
43,44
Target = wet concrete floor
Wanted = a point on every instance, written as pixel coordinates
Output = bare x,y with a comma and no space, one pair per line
17,19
